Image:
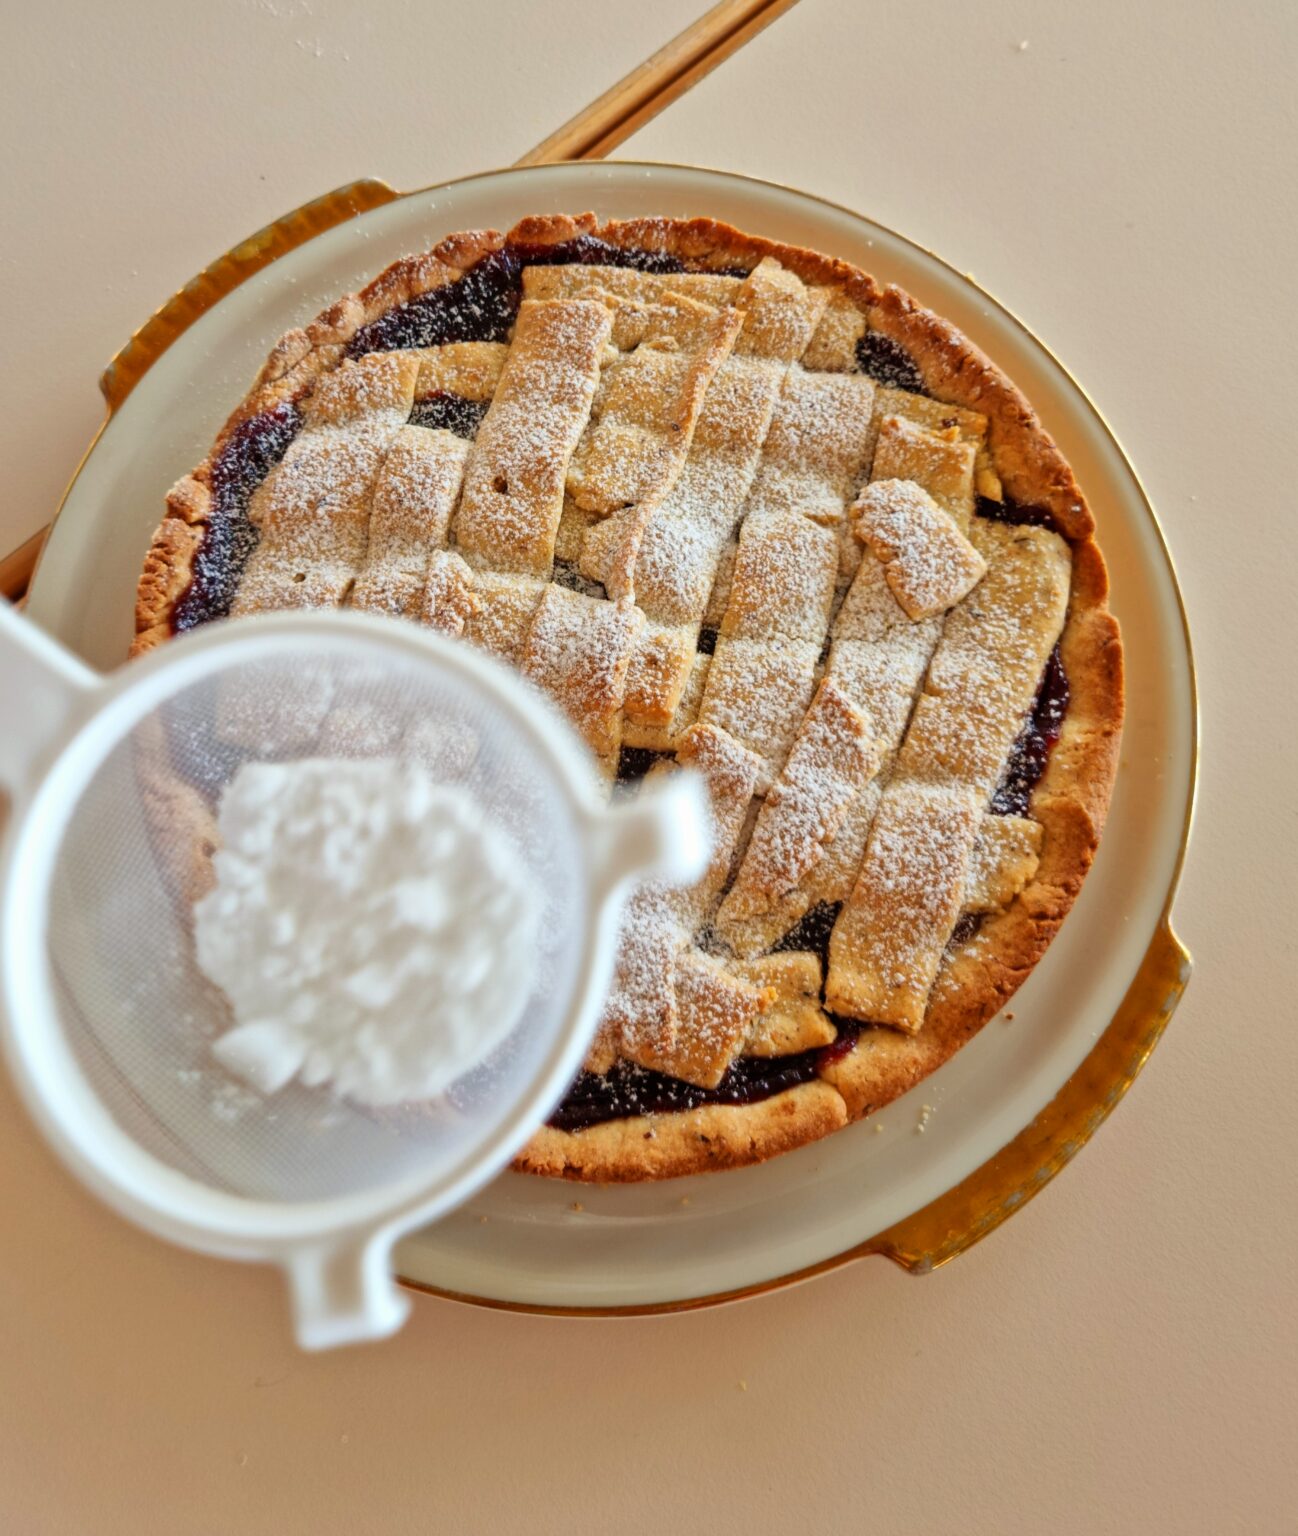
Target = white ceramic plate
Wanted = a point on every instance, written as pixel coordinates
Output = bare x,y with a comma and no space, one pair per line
541,1243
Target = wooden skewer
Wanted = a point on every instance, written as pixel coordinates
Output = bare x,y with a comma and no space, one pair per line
627,106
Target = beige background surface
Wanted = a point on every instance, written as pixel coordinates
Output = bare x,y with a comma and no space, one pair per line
1121,1357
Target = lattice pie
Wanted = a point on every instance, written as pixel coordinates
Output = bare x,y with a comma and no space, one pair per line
736,505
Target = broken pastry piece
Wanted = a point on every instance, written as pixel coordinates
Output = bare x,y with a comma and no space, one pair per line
927,562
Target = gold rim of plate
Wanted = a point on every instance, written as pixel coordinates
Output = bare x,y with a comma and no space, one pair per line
979,1203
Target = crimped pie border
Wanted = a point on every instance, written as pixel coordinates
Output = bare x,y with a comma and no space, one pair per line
1070,800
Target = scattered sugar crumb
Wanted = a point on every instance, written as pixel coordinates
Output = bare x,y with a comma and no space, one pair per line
343,1438
1023,46
685,1199
1009,1017
743,1386
878,1130
243,1458
925,1114
577,1206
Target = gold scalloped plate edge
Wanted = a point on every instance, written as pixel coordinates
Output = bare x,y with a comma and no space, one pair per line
975,1206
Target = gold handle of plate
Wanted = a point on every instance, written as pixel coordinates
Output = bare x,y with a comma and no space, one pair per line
976,1206
226,273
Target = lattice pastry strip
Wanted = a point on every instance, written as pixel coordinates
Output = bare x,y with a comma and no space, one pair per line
571,279
680,543
819,446
763,673
877,658
414,496
645,407
759,691
716,1009
661,669
781,312
448,602
514,483
937,416
890,937
676,564
667,738
940,462
782,583
578,649
470,370
833,347
987,668
642,1015
731,773
1004,860
312,511
643,420
719,597
834,756
499,611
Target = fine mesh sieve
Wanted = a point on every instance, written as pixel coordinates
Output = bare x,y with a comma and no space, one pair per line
110,1022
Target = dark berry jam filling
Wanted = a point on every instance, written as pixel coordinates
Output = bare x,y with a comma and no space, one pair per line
452,412
965,928
1015,513
1031,752
707,640
568,574
888,362
634,762
589,251
812,931
481,305
631,1090
250,453
627,1090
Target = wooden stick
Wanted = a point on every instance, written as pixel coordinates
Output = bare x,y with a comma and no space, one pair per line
660,80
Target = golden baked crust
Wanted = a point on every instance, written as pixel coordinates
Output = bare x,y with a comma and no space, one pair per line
990,437
691,1141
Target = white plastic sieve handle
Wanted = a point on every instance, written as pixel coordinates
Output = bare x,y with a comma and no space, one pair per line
343,1291
664,834
44,691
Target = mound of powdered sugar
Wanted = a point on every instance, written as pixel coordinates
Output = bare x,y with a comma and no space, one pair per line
371,930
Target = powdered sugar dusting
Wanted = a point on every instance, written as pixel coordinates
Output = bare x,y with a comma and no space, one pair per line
832,758
514,484
928,562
